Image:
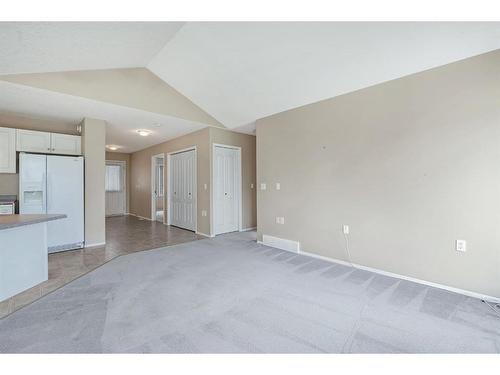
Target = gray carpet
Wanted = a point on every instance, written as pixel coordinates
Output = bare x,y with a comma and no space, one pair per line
230,294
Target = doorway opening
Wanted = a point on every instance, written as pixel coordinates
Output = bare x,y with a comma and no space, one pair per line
157,187
116,187
226,192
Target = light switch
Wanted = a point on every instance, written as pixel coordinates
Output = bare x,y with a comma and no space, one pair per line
461,245
278,186
251,186
203,212
263,186
345,229
205,186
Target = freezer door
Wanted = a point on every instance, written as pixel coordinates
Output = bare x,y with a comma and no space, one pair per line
65,196
32,183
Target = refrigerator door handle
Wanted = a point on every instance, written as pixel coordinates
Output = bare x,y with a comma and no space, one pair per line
47,189
44,195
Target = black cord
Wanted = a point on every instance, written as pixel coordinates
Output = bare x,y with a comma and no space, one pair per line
494,307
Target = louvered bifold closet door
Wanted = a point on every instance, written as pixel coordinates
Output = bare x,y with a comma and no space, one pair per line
190,187
230,206
175,191
183,192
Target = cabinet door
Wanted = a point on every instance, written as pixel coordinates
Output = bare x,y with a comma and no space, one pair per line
65,144
7,150
33,141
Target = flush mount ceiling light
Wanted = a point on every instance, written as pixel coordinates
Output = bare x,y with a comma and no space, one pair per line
143,132
112,147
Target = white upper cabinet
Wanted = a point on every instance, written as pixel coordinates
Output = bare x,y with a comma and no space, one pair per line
7,150
33,141
65,144
48,143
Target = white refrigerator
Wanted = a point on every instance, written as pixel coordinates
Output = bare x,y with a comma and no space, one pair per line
50,184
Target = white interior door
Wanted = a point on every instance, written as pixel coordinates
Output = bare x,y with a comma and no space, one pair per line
226,190
116,191
183,189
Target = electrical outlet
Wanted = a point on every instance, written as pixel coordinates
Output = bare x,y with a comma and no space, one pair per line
278,186
263,186
280,220
461,245
345,229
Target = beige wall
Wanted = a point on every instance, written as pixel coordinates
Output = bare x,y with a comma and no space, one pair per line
248,170
22,122
9,182
131,87
140,198
411,165
93,148
120,156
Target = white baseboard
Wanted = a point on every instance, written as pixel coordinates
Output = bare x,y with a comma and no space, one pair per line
205,235
95,244
403,277
140,217
391,274
248,229
281,243
332,260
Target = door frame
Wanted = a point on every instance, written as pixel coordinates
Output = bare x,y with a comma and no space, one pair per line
169,182
153,180
123,165
239,189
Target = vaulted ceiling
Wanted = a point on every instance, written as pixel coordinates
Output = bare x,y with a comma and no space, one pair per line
223,74
39,47
240,72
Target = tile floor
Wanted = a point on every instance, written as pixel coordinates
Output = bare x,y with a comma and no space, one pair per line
124,235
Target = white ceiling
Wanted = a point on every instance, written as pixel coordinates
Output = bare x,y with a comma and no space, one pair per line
240,72
236,72
122,122
36,47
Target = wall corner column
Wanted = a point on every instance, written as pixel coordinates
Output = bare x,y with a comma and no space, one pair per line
94,151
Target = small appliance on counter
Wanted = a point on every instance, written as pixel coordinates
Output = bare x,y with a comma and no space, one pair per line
8,204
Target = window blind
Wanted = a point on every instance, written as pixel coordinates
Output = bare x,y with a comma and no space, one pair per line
113,178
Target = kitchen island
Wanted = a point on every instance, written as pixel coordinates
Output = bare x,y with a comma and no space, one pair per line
23,252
